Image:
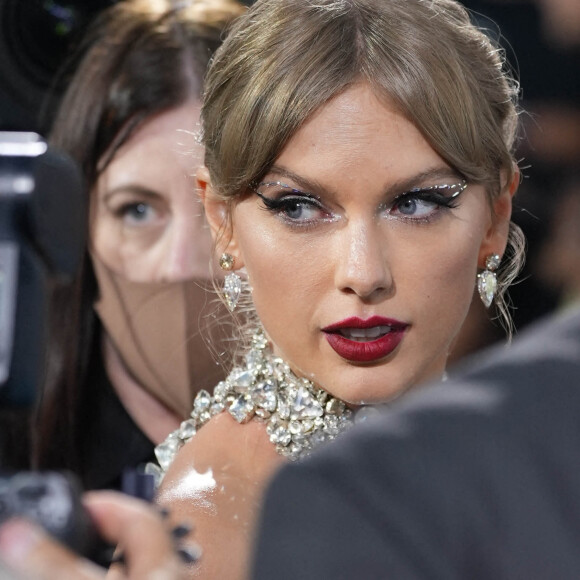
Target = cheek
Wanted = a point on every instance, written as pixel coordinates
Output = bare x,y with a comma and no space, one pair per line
284,275
449,279
103,236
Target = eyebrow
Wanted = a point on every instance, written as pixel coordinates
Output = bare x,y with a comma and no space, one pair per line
398,187
132,189
310,185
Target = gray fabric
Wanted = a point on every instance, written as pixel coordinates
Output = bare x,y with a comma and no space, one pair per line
475,478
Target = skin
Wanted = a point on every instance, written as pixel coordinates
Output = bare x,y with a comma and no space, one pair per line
31,553
357,257
147,223
217,481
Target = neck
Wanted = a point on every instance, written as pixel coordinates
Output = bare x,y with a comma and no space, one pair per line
148,413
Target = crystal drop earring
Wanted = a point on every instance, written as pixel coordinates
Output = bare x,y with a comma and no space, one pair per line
232,284
487,280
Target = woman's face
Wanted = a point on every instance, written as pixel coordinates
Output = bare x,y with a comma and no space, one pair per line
361,283
146,218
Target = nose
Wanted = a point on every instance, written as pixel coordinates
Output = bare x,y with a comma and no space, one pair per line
187,250
362,264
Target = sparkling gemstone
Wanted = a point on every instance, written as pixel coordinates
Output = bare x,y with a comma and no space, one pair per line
294,427
281,436
216,408
264,395
492,262
331,425
317,438
187,429
232,290
321,397
334,407
487,286
318,423
307,425
242,380
262,413
157,473
165,452
241,409
275,421
267,370
202,401
279,374
293,451
304,405
226,261
259,341
282,367
299,437
283,407
253,358
220,391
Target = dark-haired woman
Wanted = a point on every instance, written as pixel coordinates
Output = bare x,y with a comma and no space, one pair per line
129,347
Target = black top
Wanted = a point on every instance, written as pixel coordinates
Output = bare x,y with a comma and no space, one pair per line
475,478
112,441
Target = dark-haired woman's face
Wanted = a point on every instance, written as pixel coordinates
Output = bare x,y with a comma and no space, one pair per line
147,221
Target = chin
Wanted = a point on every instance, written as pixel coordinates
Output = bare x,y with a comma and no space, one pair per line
359,393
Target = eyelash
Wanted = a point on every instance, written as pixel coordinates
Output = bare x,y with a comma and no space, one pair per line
285,203
282,204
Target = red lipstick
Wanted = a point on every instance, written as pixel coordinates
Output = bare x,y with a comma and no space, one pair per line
367,340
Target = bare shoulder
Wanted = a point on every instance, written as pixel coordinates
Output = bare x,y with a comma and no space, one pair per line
223,445
216,482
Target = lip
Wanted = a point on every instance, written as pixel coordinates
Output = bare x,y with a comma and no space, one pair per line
367,351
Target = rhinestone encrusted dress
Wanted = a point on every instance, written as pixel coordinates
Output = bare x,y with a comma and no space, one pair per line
298,415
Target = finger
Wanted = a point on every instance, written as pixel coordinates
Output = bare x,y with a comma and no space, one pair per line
138,528
34,555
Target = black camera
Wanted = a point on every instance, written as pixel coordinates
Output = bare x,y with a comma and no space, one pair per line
42,238
52,500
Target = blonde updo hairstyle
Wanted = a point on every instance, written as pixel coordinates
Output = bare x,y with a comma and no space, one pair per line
286,58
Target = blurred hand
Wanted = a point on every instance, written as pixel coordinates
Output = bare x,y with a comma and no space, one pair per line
148,547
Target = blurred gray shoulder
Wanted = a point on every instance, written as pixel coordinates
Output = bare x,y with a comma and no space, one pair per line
552,343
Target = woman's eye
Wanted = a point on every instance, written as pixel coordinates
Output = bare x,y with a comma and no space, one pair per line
413,207
137,214
292,205
300,210
423,203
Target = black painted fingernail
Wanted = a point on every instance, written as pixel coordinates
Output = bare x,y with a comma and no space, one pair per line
181,530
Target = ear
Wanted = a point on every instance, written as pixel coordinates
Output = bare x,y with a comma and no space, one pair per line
495,240
219,217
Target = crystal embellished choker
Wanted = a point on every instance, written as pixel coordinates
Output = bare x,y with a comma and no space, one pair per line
298,415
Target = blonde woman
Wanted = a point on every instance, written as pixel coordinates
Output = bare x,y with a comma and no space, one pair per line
358,183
